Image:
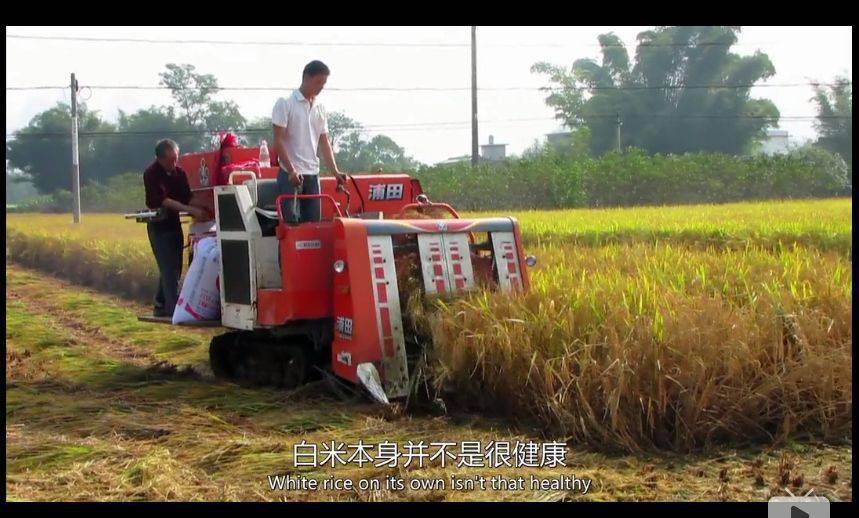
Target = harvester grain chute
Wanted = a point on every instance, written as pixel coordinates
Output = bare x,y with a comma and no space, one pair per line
331,294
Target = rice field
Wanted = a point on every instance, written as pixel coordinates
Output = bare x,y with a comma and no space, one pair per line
110,252
660,346
822,224
650,331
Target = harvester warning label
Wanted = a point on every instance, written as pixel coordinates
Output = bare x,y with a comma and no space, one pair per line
308,244
203,172
345,358
386,191
344,327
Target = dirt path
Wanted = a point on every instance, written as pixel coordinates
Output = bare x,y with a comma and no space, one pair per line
49,283
86,334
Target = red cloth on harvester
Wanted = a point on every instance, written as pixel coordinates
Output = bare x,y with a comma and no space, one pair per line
228,141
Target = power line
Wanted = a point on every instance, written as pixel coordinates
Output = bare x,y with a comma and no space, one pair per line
34,87
192,132
448,89
710,86
91,39
624,46
233,42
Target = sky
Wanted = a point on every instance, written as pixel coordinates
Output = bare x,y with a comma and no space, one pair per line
381,57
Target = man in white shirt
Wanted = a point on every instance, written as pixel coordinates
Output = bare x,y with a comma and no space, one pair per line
300,136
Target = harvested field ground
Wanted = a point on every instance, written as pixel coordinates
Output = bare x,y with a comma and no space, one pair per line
101,407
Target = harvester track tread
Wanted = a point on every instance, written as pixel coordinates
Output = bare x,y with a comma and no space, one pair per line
246,357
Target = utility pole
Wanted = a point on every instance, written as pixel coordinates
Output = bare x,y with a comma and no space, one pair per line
474,156
619,123
76,171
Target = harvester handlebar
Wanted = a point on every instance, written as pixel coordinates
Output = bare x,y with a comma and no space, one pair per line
358,192
152,215
142,214
345,190
250,174
277,202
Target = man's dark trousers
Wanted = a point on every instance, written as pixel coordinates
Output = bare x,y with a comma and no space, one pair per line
167,247
309,209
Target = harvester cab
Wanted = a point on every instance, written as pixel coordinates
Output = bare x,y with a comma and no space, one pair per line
332,294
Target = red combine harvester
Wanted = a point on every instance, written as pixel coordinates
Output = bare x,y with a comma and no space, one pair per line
332,293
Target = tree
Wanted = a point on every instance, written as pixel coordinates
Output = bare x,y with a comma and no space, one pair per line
224,116
835,118
355,153
194,93
18,187
43,149
379,154
135,148
257,129
664,96
339,126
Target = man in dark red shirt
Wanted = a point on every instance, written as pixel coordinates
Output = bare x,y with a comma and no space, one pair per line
167,189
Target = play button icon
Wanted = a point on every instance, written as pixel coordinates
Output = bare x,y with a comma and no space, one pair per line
798,507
